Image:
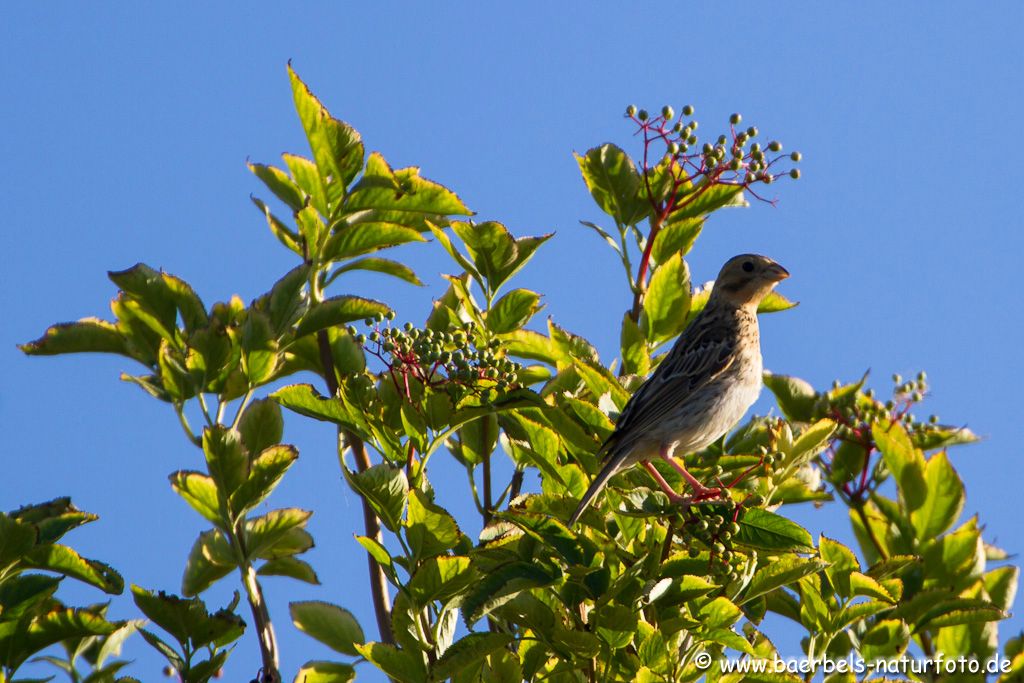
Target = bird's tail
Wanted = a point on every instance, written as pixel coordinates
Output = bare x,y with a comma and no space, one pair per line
606,473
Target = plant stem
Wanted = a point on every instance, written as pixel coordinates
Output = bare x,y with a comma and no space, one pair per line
264,627
371,524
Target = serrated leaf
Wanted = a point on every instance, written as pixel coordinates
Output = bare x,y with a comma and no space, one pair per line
779,572
431,530
291,567
200,492
943,501
336,146
404,189
88,335
265,472
400,665
261,425
512,311
385,488
676,237
63,560
795,396
768,531
614,183
333,626
338,310
466,651
278,533
904,461
667,301
380,265
325,672
359,239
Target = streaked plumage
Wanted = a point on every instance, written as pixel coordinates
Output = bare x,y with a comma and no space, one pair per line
702,388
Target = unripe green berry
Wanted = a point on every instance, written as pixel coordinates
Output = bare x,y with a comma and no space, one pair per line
775,146
692,140
795,156
631,110
667,113
795,173
735,119
752,131
351,329
642,115
688,110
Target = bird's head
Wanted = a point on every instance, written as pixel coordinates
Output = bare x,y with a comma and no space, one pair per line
746,279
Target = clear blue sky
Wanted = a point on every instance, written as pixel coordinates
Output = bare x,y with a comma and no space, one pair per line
126,128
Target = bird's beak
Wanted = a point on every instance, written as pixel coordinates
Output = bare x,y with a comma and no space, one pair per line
776,273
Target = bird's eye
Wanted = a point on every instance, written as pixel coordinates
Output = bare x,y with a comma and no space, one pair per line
748,266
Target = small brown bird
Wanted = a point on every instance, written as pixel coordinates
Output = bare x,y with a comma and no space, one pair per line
701,389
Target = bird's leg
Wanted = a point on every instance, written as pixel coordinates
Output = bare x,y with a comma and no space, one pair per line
700,492
673,497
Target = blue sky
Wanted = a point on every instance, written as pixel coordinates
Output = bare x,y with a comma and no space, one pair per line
126,129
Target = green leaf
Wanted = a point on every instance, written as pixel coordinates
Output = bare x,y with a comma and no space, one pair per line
210,560
291,567
861,584
795,396
187,620
284,234
278,182
358,239
88,335
400,665
718,613
667,301
502,585
706,199
614,183
285,301
944,498
338,310
773,302
885,640
325,672
63,560
275,534
780,571
265,472
1001,586
469,650
385,488
904,461
48,629
306,400
199,491
497,256
307,177
380,265
841,561
636,359
429,527
259,348
384,189
261,425
768,531
226,461
676,237
333,626
16,539
336,146
21,594
440,578
513,310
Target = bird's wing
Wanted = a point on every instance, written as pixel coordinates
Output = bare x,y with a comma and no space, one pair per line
704,351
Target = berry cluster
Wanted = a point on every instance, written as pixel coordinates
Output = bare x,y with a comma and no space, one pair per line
733,159
458,359
712,528
855,410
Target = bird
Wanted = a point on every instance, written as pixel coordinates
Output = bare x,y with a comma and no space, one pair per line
701,389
